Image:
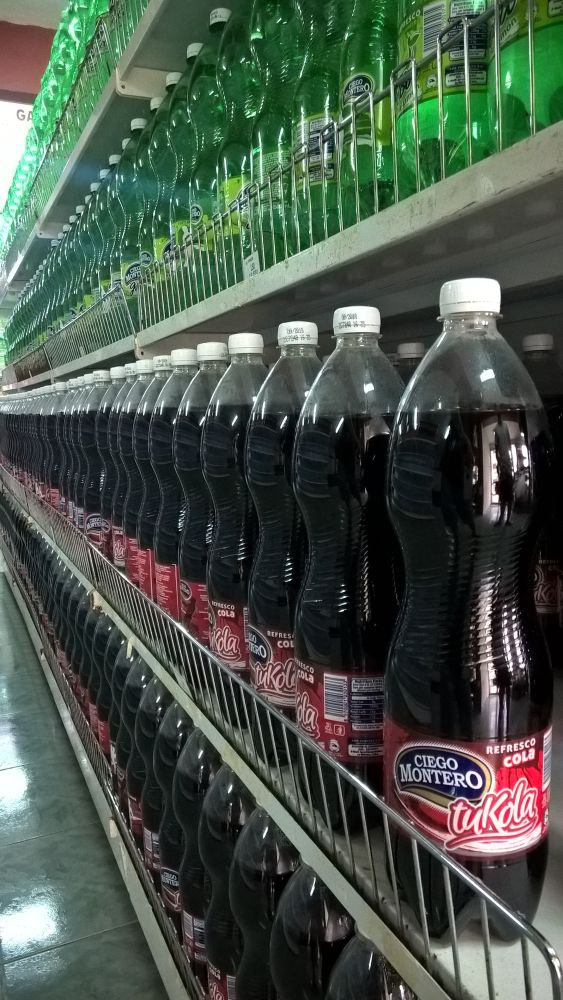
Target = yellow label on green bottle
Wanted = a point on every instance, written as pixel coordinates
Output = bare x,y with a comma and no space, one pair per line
315,135
182,231
163,245
361,85
232,197
203,239
130,276
514,18
87,301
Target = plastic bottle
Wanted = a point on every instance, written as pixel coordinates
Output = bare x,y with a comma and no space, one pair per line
126,659
279,559
310,931
130,197
197,529
183,141
106,225
263,862
88,279
107,469
130,765
172,506
116,643
115,484
226,808
117,216
100,640
170,741
134,493
362,973
77,470
94,527
78,607
163,169
235,532
89,625
409,356
470,488
147,185
98,209
347,605
152,710
420,24
62,431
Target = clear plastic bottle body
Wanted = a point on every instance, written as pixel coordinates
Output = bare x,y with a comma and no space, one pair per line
150,501
134,493
115,485
152,710
107,472
170,741
362,973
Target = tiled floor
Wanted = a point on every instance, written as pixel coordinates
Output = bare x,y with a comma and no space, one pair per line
67,928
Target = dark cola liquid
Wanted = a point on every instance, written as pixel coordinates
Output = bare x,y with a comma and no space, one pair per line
151,495
152,709
469,493
170,741
171,509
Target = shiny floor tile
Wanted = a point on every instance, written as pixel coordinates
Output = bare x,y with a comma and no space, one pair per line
115,965
58,889
31,735
37,801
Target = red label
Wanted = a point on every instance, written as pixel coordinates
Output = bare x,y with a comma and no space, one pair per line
194,937
79,518
170,886
96,528
342,712
228,633
70,510
545,586
167,585
131,559
106,539
135,817
221,986
482,799
195,609
152,849
118,547
272,665
62,505
93,716
54,497
145,561
113,758
103,736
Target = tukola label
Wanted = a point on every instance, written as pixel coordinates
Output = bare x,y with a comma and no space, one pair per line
545,585
342,712
195,609
96,527
145,562
228,633
475,799
221,985
272,665
118,546
167,588
131,560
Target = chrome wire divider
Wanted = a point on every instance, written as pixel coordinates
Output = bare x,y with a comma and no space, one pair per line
303,779
103,324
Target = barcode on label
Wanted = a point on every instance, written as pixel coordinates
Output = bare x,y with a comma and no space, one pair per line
433,22
546,780
336,698
199,932
231,987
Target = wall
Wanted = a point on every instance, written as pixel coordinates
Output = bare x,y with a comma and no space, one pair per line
24,53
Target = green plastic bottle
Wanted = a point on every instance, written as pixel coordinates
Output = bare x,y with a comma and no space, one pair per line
63,279
161,176
183,140
515,68
68,301
106,227
117,214
278,38
131,200
75,298
420,24
87,239
239,83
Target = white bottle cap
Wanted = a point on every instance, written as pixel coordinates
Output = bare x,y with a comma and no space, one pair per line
246,343
94,186
87,199
66,227
162,362
137,124
297,333
115,158
470,295
414,350
193,50
80,379
125,142
72,383
61,234
130,368
88,378
72,219
59,386
118,372
356,319
54,243
155,103
103,173
172,79
80,208
143,366
220,15
537,342
101,375
214,350
184,356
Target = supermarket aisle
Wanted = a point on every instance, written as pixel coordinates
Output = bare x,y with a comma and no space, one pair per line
67,928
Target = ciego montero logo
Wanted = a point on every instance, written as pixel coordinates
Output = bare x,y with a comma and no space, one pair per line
441,774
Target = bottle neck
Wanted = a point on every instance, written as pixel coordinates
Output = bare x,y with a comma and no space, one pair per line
247,359
213,366
184,369
539,355
353,341
471,323
299,351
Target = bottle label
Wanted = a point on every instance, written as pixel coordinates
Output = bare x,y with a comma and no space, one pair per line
62,660
135,816
79,517
514,18
151,849
70,510
357,86
54,498
145,562
203,239
62,505
170,883
103,736
181,231
113,758
342,712
194,937
228,633
167,587
131,560
163,246
418,38
107,539
118,546
195,609
115,279
545,585
272,665
233,197
87,301
96,528
221,985
482,799
93,716
130,277
309,136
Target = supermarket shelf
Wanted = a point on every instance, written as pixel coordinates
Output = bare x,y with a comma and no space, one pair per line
114,353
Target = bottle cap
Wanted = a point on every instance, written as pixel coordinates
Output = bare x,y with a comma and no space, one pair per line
59,386
184,356
155,103
218,17
356,319
172,79
193,50
87,199
88,378
101,375
80,208
214,350
103,173
537,342
125,142
115,157
137,124
54,243
73,383
118,372
80,379
94,186
72,219
414,350
66,227
143,366
297,333
130,368
61,234
470,295
162,362
246,343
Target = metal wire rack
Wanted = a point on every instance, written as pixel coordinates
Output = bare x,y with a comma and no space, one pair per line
326,809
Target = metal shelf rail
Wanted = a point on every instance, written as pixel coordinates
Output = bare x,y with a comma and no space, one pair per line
294,780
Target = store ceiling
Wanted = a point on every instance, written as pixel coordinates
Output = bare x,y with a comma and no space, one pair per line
44,13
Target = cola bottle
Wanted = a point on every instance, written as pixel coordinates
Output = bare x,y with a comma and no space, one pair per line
347,604
107,474
197,529
151,712
263,862
362,973
62,629
93,526
88,629
116,642
71,445
77,609
148,510
52,420
409,357
62,434
197,766
78,467
170,741
226,809
279,560
115,485
100,640
137,679
469,686
236,526
126,659
134,492
172,507
310,931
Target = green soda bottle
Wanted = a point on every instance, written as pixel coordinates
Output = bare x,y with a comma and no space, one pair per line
52,278
239,83
63,279
146,183
278,38
181,132
95,235
75,300
68,312
131,200
118,221
420,24
515,68
161,173
106,231
207,112
87,228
